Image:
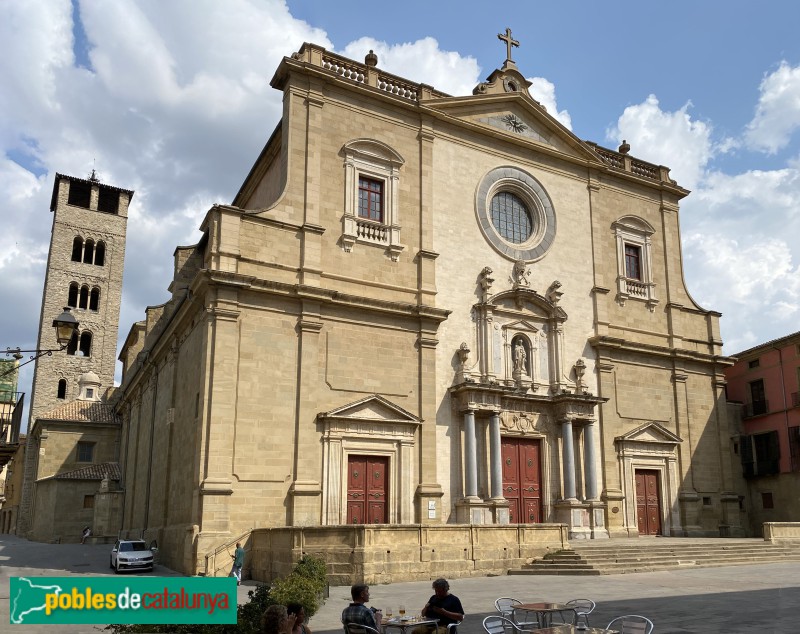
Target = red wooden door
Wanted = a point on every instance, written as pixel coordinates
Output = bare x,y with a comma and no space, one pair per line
648,504
522,475
367,489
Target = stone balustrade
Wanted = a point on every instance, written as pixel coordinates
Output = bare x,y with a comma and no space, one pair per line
781,531
624,162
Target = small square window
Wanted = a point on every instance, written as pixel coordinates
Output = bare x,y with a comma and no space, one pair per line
88,501
753,364
766,500
85,451
706,501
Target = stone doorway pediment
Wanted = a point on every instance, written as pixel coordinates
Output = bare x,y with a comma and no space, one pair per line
651,432
374,408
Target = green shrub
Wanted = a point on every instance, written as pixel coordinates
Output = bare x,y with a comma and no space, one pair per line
304,586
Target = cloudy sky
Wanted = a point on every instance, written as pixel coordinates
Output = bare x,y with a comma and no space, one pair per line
171,98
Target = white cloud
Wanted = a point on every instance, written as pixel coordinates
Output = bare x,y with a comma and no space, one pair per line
545,93
778,111
423,61
666,138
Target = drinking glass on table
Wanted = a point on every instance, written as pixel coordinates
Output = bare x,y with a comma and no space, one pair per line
388,613
402,610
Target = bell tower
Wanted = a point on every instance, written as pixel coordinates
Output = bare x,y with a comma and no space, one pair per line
84,272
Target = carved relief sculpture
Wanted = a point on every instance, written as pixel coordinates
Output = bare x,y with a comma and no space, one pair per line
554,293
580,369
519,275
486,282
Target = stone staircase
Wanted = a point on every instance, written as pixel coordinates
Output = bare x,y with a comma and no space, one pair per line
613,557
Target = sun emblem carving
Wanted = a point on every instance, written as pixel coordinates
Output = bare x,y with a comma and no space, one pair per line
513,123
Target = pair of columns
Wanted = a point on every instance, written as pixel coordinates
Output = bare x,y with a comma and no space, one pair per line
495,459
471,457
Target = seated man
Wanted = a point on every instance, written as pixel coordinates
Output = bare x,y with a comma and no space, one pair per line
443,606
357,613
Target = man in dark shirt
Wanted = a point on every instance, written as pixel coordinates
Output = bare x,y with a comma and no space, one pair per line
357,613
442,606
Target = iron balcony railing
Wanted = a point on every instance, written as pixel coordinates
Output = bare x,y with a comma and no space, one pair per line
756,408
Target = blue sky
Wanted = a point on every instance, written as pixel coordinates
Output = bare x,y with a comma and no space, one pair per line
172,99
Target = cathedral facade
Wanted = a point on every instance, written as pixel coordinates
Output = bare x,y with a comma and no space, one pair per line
424,309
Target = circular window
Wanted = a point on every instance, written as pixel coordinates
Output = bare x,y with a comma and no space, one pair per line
511,218
515,214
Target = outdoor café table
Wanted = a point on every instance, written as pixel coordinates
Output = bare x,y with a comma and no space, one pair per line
544,611
572,629
409,622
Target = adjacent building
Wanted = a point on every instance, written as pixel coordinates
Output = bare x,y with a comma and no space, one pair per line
423,309
765,383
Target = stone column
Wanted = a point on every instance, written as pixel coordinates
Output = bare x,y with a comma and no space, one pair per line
589,460
568,459
495,458
470,456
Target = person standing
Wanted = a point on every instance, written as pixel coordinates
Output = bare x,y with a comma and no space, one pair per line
238,562
443,606
359,614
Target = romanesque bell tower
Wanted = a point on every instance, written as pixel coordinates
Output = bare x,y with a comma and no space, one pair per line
84,272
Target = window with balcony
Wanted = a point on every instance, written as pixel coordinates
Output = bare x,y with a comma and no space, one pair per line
634,261
758,399
372,191
761,454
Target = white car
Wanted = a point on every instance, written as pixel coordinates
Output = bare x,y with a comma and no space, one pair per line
131,554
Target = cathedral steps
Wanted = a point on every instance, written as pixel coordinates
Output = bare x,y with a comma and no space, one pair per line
648,555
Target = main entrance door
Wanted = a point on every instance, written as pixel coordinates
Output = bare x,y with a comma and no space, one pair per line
522,476
648,503
367,489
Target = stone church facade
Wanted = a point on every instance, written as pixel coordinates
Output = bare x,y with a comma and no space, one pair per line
424,309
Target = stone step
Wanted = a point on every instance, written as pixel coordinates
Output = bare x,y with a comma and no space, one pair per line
627,558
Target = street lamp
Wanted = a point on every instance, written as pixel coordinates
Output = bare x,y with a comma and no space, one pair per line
66,326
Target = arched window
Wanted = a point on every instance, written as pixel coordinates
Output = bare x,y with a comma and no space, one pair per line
94,299
86,344
84,299
88,251
100,254
77,249
72,346
62,388
72,298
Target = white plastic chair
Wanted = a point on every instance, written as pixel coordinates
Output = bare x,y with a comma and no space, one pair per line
631,624
357,628
506,607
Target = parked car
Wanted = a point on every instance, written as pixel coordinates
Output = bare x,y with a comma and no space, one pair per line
131,554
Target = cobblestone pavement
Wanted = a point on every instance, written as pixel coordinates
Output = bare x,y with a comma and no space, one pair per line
752,598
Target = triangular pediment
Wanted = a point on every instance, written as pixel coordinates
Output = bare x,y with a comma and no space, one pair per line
371,408
650,432
522,324
515,116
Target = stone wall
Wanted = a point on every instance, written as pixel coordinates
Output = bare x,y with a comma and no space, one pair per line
781,531
390,554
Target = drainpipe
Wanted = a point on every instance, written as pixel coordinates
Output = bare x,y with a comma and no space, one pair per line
785,405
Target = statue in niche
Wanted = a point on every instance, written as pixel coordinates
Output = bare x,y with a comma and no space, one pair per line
486,283
519,275
520,357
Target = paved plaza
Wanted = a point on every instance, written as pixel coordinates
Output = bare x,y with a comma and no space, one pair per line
753,598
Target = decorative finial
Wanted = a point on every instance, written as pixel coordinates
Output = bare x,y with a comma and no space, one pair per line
625,147
509,43
371,59
93,176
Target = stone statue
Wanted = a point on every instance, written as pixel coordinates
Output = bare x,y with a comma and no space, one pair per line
486,283
520,357
554,293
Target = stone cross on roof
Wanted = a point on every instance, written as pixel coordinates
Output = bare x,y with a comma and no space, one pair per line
509,43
